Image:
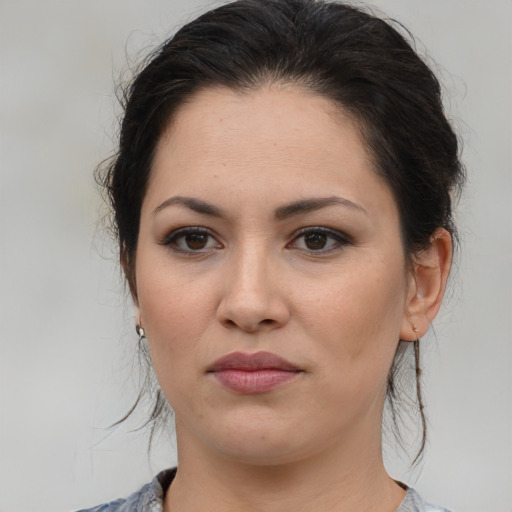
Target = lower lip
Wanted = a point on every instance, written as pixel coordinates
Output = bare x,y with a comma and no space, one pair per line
254,381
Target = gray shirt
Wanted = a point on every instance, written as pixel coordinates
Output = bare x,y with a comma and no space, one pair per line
151,498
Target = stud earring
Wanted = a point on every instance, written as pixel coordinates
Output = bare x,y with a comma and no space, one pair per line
415,331
140,331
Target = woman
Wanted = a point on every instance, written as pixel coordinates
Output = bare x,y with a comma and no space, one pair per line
282,198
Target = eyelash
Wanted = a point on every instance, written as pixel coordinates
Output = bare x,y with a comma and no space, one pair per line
172,239
340,240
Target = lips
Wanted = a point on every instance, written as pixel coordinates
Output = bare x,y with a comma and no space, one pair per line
253,373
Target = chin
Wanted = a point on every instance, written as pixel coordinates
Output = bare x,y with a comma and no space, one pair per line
262,441
261,453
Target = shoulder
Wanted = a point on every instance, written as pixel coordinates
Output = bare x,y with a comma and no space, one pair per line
148,499
413,502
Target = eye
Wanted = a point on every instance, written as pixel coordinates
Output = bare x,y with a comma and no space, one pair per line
191,240
318,239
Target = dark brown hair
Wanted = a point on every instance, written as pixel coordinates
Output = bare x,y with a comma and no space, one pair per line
361,62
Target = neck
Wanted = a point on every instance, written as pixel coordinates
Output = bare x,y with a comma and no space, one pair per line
339,479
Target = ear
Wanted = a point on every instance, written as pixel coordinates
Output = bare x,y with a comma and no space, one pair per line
128,267
429,274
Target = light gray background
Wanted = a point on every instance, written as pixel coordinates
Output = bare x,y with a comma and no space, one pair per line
67,342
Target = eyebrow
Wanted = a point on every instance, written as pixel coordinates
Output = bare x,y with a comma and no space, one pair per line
314,204
281,213
194,204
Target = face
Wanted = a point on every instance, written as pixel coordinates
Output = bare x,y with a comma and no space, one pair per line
270,276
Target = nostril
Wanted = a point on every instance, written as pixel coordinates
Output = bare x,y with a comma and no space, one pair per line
249,327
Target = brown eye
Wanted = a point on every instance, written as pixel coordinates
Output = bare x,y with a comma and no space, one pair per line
191,240
315,241
196,241
319,240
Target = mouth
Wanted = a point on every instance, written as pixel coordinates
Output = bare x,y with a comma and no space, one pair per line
260,372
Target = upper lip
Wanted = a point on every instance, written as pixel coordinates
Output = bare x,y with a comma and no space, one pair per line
252,362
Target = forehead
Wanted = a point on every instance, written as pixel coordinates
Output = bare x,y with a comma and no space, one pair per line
273,137
283,114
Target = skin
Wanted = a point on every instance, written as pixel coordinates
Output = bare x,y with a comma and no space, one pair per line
334,304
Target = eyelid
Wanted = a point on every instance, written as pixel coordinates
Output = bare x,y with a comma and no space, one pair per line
169,240
341,238
335,233
171,237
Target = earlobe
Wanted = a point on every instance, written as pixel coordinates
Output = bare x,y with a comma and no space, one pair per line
431,268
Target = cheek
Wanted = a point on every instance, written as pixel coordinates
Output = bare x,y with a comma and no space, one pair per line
356,337
357,321
169,297
175,312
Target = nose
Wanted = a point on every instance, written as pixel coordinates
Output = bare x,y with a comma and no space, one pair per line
253,298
